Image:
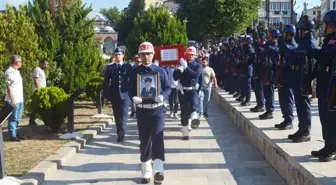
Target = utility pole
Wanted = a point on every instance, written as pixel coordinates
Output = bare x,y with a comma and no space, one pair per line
267,11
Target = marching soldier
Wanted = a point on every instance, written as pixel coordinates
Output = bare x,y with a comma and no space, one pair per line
189,76
285,93
137,62
151,116
238,58
247,71
260,73
299,72
326,62
272,62
231,69
116,83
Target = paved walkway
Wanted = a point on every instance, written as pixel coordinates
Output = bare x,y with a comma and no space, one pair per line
217,154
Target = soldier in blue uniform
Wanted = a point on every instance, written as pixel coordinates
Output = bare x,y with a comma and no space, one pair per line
260,73
326,69
151,116
189,76
285,93
247,71
299,71
238,59
272,62
116,87
137,61
231,60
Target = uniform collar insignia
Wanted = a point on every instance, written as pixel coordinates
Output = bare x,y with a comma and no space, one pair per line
332,42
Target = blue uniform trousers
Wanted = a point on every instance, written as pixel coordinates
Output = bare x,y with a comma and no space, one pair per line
189,103
286,100
269,97
151,123
246,87
120,113
303,110
236,83
229,82
259,91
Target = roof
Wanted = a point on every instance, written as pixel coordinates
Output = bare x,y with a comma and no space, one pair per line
99,17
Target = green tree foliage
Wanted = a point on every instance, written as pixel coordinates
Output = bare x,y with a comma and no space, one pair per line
113,14
217,17
128,15
78,56
18,36
92,87
51,104
157,26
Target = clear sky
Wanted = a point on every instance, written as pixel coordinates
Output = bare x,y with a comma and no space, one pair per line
96,4
121,4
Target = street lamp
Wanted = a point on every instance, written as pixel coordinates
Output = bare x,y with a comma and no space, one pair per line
185,21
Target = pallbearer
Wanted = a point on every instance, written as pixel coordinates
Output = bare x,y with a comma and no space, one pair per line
326,61
260,73
189,74
271,63
151,116
285,93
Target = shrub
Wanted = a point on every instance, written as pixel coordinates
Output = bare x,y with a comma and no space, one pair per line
92,86
51,104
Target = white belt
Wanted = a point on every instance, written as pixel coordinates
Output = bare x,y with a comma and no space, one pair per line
189,88
150,106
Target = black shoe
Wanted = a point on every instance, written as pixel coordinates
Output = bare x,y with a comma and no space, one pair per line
231,92
321,152
245,103
205,114
158,178
21,137
240,99
132,114
327,157
236,95
121,135
257,109
303,137
266,115
15,139
195,123
145,181
185,138
285,125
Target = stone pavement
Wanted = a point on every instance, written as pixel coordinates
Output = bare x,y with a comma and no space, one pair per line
216,154
292,160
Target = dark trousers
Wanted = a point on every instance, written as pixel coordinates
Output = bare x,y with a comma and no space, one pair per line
151,123
225,81
259,92
189,103
120,113
327,119
286,100
173,100
269,97
235,83
303,110
246,85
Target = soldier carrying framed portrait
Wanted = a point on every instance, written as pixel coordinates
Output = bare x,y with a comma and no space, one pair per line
148,86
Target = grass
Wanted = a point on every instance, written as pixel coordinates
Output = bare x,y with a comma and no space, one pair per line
22,156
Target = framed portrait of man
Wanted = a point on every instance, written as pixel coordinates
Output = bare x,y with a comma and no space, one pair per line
148,87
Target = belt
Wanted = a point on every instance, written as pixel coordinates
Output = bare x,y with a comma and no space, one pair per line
150,106
189,88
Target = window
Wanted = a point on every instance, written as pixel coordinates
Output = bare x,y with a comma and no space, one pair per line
278,6
272,6
284,12
334,4
314,12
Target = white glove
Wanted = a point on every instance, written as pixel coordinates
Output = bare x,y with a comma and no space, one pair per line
197,86
137,100
175,83
200,94
183,63
156,62
179,87
159,99
180,68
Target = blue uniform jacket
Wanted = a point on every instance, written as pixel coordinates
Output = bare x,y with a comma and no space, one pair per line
260,64
164,86
249,60
190,76
273,54
113,75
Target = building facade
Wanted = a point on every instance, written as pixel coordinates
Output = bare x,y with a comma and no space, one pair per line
325,6
276,11
314,13
333,4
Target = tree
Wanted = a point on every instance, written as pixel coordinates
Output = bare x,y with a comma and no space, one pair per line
128,15
157,26
113,14
78,56
217,17
18,36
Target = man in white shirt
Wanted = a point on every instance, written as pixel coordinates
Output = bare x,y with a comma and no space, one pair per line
14,96
208,78
39,81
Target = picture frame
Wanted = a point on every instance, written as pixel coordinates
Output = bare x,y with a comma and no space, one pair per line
148,86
